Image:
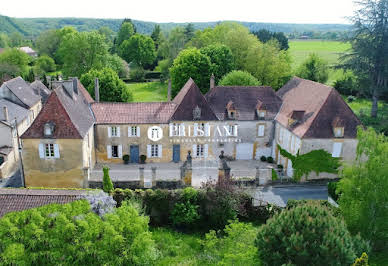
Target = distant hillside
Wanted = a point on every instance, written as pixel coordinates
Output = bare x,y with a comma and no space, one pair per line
34,26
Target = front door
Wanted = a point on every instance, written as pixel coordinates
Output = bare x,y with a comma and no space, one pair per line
134,153
176,153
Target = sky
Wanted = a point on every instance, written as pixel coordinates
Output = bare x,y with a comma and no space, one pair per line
278,11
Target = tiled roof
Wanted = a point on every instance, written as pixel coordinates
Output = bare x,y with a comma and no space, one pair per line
22,199
22,91
5,150
245,100
71,115
127,113
41,90
14,111
187,100
321,105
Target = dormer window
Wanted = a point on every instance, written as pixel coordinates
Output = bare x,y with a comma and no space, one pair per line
197,113
48,129
295,117
338,127
232,112
260,110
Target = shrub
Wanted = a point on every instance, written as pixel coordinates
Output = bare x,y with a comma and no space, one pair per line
305,235
143,158
332,190
362,261
263,158
280,166
70,234
346,84
185,211
137,74
126,157
235,247
269,159
107,184
274,175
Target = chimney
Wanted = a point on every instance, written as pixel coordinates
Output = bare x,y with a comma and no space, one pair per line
96,90
75,85
212,82
5,113
169,91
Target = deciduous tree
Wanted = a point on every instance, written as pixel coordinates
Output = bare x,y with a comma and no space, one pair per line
239,78
221,59
314,68
139,49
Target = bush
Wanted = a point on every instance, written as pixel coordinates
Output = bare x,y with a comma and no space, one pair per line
274,175
235,247
137,74
185,211
263,158
152,75
362,261
143,158
70,234
126,158
346,84
332,190
280,166
107,184
305,235
269,159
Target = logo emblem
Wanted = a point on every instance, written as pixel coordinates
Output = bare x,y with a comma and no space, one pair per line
155,133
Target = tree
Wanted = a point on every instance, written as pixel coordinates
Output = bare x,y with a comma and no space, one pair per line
82,51
156,36
71,234
30,76
363,187
139,49
239,78
369,54
126,31
116,63
4,40
14,56
189,31
221,59
48,42
265,36
107,184
314,68
190,63
306,235
44,64
111,86
16,39
347,84
8,71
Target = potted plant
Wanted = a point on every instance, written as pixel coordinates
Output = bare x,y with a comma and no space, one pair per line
263,158
143,158
126,159
270,159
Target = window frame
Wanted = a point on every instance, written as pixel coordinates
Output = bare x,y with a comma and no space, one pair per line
49,151
117,151
200,150
114,131
154,151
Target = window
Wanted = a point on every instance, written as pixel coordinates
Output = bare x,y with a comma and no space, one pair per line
197,113
337,148
200,150
261,130
232,114
49,150
154,150
115,151
2,160
114,131
261,114
133,131
338,132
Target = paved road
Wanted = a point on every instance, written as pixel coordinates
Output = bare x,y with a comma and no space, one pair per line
279,195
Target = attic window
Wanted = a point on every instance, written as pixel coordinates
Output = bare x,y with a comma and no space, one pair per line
49,129
338,127
295,117
260,110
197,113
232,114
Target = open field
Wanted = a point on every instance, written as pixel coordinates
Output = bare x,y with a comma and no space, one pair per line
329,50
148,91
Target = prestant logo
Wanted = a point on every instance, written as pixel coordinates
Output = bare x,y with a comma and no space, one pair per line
155,133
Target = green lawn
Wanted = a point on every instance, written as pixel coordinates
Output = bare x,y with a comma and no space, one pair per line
329,50
148,91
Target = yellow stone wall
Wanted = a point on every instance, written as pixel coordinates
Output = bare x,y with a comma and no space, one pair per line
66,171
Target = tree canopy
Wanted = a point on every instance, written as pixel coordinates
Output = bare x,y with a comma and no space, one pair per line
314,68
112,89
190,63
15,57
221,59
44,64
363,189
139,49
239,78
125,32
266,35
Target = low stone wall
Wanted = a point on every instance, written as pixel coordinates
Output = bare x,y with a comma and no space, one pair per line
162,184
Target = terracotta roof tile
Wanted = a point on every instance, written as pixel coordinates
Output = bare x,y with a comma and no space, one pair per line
127,113
22,199
320,103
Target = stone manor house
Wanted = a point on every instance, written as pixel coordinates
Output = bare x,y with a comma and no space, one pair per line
73,131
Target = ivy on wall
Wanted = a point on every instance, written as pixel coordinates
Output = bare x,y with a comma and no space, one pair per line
318,161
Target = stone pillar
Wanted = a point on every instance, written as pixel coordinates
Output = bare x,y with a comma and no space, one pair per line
187,170
169,91
212,82
257,177
141,176
223,169
96,90
153,169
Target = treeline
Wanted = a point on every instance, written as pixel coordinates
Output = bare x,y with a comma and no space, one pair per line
32,27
